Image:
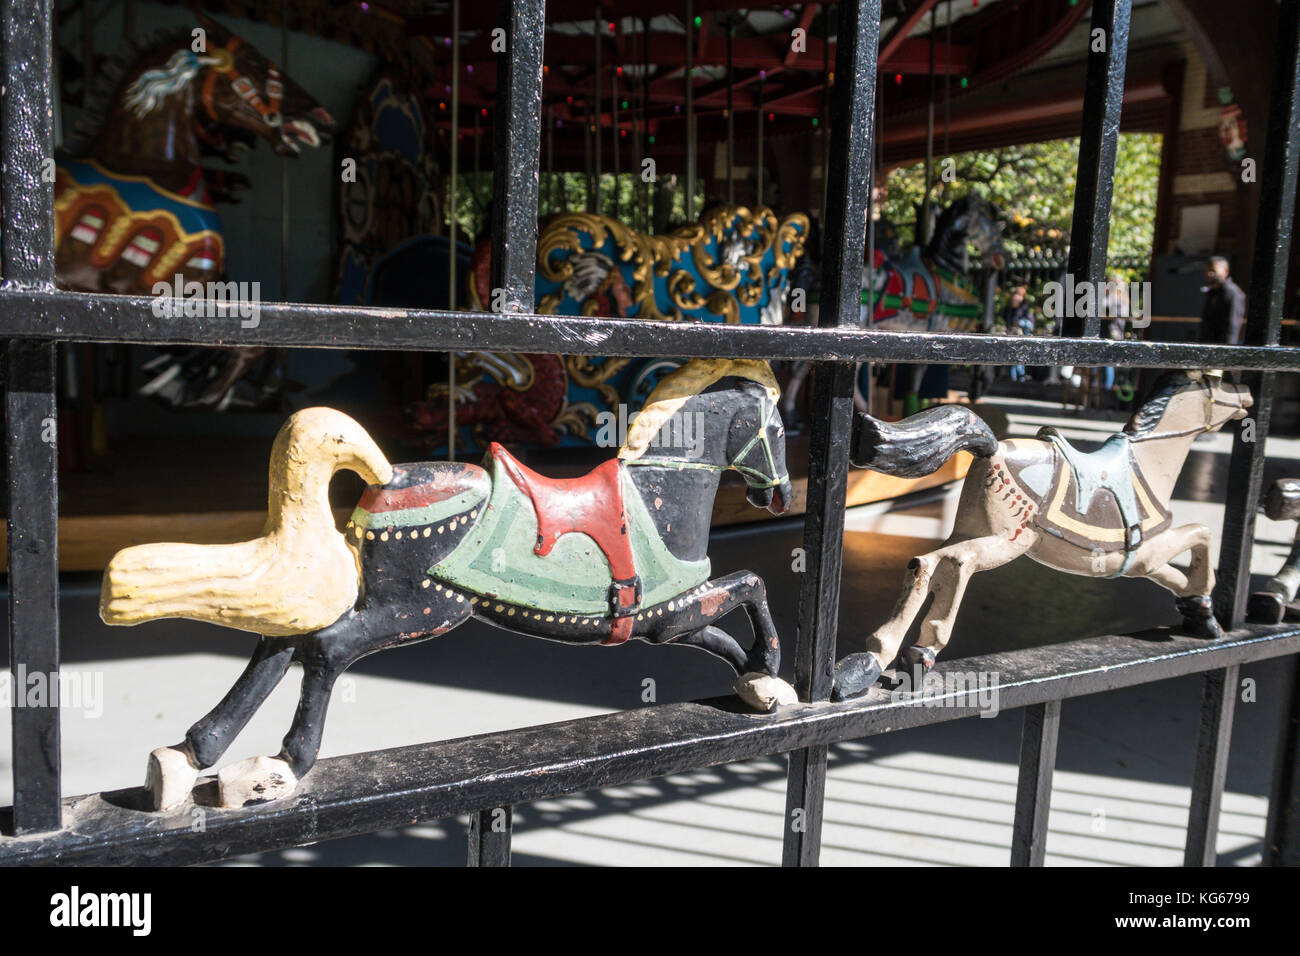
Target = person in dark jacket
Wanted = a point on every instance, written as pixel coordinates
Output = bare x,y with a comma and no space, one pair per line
1224,312
1019,321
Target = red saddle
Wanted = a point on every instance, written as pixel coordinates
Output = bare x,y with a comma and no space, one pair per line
590,505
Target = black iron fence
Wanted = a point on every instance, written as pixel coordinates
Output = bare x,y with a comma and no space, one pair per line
488,774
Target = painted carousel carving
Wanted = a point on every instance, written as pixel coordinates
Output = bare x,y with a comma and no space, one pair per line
134,205
618,554
732,266
1100,514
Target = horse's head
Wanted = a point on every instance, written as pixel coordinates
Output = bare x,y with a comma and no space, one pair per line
756,446
968,221
984,231
1225,400
1188,403
237,86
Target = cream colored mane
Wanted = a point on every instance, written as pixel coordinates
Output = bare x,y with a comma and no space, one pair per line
689,380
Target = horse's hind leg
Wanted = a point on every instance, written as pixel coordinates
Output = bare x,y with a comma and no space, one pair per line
1192,589
325,655
718,643
758,684
173,770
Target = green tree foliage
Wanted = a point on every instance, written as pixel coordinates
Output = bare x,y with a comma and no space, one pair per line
1032,186
625,198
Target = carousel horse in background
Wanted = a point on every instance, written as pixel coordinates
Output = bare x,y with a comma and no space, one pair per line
134,206
1102,514
926,290
618,554
732,266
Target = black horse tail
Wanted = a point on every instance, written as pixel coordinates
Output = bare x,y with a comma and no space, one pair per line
920,443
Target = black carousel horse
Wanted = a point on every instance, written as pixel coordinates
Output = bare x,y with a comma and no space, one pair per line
620,553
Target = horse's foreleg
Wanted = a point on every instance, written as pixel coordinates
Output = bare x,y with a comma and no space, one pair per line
943,573
1192,589
858,672
173,770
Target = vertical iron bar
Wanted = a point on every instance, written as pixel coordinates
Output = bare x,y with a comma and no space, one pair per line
516,145
489,837
1212,742
1263,317
1034,789
1103,98
1282,832
27,261
844,236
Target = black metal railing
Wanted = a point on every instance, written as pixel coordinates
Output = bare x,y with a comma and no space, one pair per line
370,791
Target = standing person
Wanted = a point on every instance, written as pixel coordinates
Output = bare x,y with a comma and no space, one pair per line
1019,321
1114,311
1225,305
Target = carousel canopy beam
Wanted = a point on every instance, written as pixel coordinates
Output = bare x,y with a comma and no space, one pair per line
902,29
805,24
749,53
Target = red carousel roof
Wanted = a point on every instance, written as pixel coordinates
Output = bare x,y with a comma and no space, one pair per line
738,50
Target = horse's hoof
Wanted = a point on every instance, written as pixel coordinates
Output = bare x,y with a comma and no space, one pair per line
1198,617
1265,607
855,675
764,692
924,656
170,777
255,780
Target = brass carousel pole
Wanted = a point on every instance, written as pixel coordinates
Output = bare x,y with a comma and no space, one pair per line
587,129
647,202
731,120
613,106
758,198
874,170
690,111
826,106
550,158
929,144
284,165
451,219
596,114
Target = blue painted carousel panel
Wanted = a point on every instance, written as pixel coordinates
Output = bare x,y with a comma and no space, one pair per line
733,266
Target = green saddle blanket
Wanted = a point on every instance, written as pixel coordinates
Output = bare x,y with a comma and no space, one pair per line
497,559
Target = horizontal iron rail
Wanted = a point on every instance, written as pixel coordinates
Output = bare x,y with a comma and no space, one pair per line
81,317
361,793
